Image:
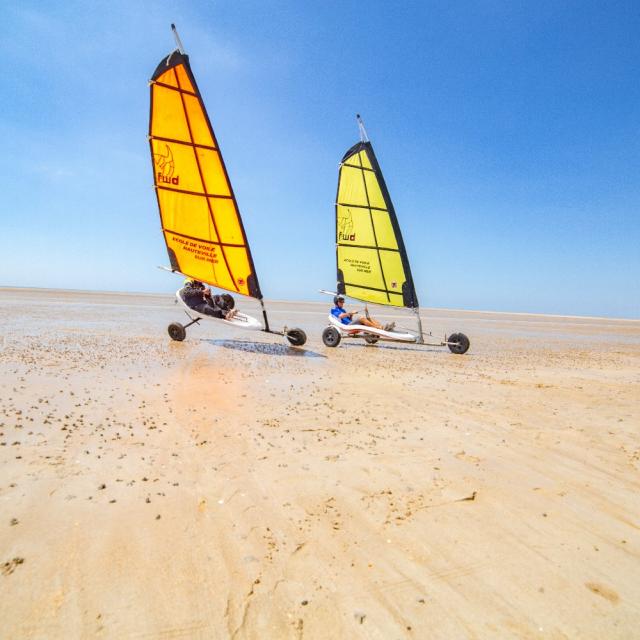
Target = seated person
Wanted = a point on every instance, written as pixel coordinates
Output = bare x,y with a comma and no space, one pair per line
199,298
346,317
223,304
193,293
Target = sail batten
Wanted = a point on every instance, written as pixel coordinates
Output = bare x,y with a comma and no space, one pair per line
201,222
371,258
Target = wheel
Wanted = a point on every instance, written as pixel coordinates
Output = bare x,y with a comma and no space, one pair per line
296,337
461,343
331,337
371,338
177,331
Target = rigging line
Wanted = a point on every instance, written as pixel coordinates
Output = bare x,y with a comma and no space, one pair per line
204,184
373,227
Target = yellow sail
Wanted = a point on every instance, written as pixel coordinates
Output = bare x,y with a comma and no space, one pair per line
372,261
200,219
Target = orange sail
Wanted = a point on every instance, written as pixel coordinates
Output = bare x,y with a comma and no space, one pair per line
200,219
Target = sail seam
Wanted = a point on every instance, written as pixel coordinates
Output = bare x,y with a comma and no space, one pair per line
178,89
361,206
193,193
362,286
365,246
398,233
375,237
355,166
204,185
188,144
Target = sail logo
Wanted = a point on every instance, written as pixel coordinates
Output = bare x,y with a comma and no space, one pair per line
345,226
165,167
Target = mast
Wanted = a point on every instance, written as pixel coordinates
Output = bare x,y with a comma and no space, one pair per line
363,132
177,37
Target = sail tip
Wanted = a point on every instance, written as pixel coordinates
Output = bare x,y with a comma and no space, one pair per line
363,131
177,38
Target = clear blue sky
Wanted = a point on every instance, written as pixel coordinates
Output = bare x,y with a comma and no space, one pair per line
508,133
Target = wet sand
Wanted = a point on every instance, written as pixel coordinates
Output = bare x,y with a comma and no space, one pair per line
231,486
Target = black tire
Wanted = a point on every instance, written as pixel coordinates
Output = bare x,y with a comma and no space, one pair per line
331,337
177,332
296,337
371,338
461,343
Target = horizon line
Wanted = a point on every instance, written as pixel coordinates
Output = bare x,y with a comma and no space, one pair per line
479,311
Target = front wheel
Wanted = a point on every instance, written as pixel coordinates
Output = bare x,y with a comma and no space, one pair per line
296,337
177,332
458,343
331,337
371,338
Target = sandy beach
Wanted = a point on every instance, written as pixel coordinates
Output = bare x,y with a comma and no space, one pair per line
231,486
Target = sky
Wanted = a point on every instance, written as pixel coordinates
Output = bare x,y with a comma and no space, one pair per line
508,133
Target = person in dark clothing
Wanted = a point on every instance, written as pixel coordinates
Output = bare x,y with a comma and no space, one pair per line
223,304
193,293
200,299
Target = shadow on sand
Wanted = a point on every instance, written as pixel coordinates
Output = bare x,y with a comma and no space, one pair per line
265,348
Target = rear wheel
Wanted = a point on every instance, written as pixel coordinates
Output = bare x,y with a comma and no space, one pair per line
296,337
458,343
331,337
177,331
371,338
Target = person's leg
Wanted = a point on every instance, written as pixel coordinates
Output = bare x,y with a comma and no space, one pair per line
369,323
206,309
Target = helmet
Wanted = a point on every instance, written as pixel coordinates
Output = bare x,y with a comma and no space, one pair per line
228,300
337,299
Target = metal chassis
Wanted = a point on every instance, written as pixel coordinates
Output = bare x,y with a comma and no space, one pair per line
420,341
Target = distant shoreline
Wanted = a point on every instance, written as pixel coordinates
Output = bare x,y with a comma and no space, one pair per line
90,292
